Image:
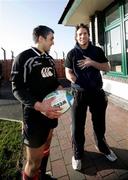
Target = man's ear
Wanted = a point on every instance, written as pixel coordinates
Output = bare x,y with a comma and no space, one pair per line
41,38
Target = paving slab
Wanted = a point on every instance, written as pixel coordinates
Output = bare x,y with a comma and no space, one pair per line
95,165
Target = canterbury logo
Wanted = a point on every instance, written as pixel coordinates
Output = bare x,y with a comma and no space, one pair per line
46,72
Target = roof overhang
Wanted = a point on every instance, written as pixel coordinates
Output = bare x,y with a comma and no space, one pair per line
80,11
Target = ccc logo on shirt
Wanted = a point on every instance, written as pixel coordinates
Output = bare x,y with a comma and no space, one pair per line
46,72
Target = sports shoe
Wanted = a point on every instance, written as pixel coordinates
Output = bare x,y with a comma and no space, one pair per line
47,176
76,163
111,156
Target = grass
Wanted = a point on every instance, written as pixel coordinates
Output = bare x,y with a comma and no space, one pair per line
10,150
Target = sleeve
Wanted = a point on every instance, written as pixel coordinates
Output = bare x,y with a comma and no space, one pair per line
19,87
69,60
102,58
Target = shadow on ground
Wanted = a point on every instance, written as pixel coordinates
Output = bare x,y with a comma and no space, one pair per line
5,91
97,163
10,108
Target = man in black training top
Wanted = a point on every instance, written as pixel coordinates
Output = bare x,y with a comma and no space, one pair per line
33,77
82,68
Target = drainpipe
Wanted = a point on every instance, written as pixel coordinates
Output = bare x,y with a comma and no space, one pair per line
4,51
12,55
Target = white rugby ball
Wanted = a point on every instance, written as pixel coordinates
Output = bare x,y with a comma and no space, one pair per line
63,99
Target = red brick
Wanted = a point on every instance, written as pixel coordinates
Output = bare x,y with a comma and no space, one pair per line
58,168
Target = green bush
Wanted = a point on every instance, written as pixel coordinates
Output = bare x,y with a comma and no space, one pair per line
11,150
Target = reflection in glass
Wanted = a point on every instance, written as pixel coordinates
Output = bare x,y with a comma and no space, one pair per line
114,49
112,15
126,8
126,36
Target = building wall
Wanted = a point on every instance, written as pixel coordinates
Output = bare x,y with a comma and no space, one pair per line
113,83
7,64
116,88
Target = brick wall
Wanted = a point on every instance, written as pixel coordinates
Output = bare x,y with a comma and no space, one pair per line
59,64
7,64
6,69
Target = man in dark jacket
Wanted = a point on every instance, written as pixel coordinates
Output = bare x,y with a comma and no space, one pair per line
82,68
33,77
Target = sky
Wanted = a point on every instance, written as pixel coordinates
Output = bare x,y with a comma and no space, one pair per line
18,18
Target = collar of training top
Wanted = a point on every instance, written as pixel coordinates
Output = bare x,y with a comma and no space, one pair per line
38,52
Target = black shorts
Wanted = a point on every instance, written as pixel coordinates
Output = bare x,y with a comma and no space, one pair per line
36,128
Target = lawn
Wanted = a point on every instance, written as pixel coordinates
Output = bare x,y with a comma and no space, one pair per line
11,150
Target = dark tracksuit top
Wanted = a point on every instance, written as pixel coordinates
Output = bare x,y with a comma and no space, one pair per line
89,78
87,92
33,77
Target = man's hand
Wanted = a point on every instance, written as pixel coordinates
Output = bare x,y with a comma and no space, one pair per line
84,63
45,108
87,62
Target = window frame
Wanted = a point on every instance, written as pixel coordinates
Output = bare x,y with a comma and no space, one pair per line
118,22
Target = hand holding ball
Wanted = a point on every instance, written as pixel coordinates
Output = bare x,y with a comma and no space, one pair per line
63,99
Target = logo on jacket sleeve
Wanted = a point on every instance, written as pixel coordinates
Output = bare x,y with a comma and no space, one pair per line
46,72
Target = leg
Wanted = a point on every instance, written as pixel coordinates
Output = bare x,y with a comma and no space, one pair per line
98,117
33,161
43,166
44,161
98,105
37,160
79,109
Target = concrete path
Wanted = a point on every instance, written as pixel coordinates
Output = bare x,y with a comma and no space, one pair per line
96,166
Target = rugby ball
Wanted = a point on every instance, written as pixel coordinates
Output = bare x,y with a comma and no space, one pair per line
63,99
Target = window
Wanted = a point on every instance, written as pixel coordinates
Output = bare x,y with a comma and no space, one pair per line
126,37
126,8
112,15
116,38
114,49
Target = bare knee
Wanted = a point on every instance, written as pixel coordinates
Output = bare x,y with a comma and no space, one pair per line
32,167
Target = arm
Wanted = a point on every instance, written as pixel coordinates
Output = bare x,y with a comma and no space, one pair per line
101,66
60,87
70,75
19,87
45,108
87,62
22,94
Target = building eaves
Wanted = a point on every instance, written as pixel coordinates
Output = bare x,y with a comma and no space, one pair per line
67,8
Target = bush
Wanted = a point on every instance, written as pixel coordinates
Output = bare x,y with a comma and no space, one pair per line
11,150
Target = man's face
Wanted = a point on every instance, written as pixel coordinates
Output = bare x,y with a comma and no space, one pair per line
46,44
82,36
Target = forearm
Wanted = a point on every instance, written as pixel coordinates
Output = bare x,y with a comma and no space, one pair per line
38,106
23,96
70,76
60,87
101,66
87,62
47,109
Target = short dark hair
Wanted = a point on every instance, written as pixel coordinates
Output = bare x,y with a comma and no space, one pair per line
81,25
41,31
